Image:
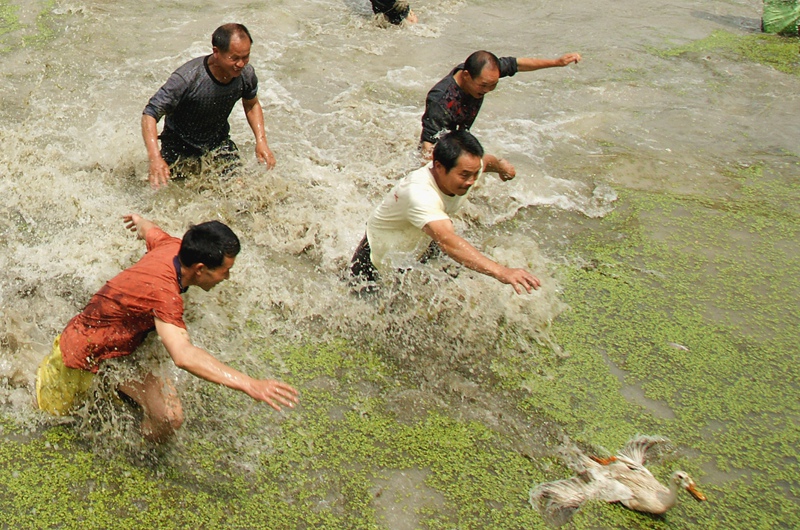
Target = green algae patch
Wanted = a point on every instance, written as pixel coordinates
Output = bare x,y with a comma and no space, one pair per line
336,461
45,26
680,323
9,20
19,29
480,480
776,51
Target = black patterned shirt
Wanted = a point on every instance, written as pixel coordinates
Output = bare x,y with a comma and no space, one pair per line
449,108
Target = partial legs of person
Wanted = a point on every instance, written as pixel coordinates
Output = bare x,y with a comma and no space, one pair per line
163,412
225,158
395,11
434,251
58,388
183,159
362,271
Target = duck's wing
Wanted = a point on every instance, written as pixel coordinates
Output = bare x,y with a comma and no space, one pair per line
636,450
558,501
575,459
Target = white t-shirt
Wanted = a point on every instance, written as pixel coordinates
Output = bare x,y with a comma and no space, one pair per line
394,229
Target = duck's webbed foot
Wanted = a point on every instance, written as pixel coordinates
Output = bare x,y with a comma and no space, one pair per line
603,461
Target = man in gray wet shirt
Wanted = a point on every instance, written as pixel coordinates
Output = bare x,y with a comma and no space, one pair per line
197,100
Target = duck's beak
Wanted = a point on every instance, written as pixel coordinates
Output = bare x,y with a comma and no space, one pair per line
696,493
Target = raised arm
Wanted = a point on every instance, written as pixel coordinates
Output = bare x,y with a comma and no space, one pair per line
528,64
136,223
255,117
158,174
461,251
504,169
202,364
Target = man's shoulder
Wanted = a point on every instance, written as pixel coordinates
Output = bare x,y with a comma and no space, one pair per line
419,176
444,84
192,64
249,81
192,69
420,185
248,71
156,237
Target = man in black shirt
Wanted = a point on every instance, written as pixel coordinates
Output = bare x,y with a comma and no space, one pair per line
453,103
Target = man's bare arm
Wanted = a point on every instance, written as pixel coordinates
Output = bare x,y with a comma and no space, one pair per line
464,253
158,173
426,150
202,364
136,223
255,117
504,169
529,64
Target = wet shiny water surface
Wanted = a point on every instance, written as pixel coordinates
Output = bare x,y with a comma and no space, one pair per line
656,199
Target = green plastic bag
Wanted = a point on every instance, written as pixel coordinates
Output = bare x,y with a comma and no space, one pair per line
781,16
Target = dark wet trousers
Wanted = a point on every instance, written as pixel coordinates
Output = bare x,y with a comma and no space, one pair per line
174,149
395,11
361,267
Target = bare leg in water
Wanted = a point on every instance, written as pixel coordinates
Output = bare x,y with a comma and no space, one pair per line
163,412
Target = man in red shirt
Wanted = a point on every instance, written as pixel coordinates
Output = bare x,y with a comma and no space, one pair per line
143,298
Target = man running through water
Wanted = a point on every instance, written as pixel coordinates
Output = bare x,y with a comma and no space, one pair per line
454,102
140,299
417,211
197,100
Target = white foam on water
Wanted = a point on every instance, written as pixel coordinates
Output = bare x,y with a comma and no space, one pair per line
343,99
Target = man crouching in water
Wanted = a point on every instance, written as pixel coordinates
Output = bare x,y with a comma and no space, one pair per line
417,212
142,298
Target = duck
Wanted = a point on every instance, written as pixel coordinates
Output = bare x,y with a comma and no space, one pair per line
622,478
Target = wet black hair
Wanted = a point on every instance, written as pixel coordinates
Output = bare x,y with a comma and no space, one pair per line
452,145
221,38
208,243
476,62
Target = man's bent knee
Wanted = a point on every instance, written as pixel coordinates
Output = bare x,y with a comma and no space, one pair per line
159,428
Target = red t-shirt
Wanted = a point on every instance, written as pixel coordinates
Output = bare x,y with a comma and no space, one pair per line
121,314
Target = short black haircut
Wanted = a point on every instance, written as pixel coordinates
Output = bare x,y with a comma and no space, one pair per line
221,38
208,243
476,62
452,145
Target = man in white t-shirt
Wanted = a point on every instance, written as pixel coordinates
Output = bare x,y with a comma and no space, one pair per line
417,211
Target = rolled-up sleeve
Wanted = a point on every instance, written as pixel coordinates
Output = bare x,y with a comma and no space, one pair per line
508,66
249,83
